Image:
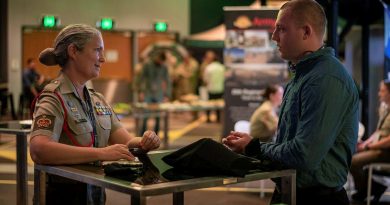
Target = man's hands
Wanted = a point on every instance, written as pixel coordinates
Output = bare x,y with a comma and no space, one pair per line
237,141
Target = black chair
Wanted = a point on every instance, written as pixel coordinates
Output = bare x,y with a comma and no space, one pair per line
6,101
24,106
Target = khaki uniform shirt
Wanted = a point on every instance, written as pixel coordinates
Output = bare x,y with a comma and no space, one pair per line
263,122
48,115
48,120
384,121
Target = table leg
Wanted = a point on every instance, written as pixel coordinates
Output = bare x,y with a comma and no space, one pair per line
21,169
137,200
166,129
39,187
178,198
289,189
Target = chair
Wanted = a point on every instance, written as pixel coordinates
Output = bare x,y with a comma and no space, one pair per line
376,170
7,98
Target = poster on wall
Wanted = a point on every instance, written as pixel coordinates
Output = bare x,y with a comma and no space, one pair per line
253,62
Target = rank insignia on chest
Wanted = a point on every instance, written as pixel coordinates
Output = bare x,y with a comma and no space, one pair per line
102,110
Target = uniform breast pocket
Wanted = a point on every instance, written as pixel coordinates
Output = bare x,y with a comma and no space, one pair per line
104,128
105,121
82,132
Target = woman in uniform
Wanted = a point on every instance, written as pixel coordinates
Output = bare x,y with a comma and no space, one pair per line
374,149
264,121
72,123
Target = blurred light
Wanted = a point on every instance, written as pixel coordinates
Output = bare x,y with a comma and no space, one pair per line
106,24
49,21
160,26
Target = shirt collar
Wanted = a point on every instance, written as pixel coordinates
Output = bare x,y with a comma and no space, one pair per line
67,85
300,66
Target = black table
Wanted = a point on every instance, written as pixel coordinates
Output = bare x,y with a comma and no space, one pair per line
21,129
140,188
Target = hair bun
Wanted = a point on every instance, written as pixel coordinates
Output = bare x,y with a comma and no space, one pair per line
47,57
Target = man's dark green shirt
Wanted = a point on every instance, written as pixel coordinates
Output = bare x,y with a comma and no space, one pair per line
318,122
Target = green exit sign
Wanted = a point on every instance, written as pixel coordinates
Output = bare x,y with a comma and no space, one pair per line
49,21
106,24
160,26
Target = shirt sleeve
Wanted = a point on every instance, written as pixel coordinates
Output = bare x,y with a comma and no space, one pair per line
323,104
48,117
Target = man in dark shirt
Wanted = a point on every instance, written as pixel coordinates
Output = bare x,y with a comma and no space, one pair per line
30,77
318,121
155,85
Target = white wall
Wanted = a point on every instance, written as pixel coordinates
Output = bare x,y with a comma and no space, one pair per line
128,14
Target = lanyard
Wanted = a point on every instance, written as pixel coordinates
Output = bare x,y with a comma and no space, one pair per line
87,107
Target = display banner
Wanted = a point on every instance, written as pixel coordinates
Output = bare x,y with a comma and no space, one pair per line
253,62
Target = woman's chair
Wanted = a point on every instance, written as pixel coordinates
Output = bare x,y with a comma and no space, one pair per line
377,170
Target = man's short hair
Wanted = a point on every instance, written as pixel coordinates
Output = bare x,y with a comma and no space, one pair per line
308,11
29,60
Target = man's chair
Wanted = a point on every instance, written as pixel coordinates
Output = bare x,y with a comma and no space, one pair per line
376,170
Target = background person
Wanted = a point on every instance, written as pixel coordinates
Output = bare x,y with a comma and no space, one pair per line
29,79
73,124
184,77
264,120
208,58
375,149
214,79
155,85
318,124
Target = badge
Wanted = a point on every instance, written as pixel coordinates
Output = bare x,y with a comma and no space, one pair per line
81,120
70,103
44,122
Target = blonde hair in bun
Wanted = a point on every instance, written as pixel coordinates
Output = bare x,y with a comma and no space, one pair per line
47,57
76,34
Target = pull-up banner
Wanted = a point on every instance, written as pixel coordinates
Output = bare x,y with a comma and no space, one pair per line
253,62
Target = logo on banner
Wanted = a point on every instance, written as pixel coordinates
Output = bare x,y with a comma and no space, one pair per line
242,22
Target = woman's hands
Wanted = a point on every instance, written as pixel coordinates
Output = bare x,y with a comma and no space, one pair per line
149,141
115,152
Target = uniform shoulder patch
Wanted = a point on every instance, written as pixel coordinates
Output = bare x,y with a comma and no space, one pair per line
99,95
52,86
44,122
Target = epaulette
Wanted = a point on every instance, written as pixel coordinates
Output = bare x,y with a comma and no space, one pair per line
52,86
99,95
